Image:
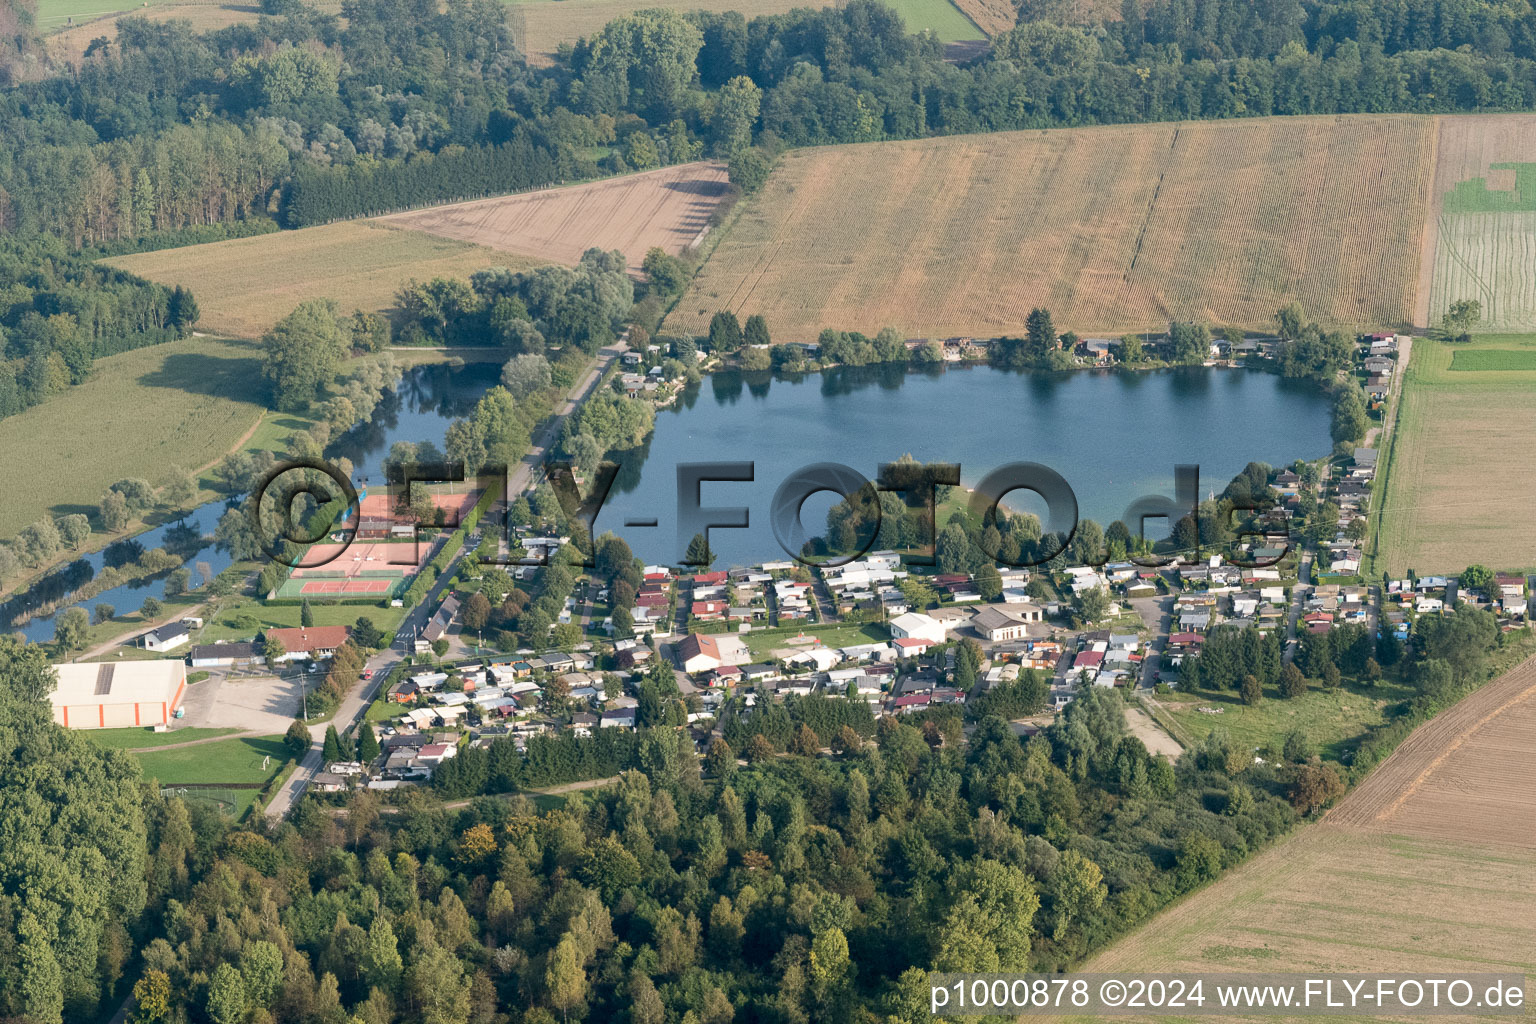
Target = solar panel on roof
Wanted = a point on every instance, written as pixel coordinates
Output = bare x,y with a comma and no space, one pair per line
104,681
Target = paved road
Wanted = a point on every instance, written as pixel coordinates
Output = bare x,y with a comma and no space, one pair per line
356,703
1293,615
1157,613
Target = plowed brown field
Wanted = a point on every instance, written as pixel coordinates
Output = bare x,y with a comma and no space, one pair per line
1112,228
1427,866
667,208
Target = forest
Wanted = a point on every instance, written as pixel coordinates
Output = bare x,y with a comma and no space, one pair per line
795,889
310,117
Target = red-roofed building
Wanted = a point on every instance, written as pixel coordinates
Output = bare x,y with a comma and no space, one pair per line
1088,659
651,601
698,652
912,700
710,579
709,611
310,641
1185,640
911,646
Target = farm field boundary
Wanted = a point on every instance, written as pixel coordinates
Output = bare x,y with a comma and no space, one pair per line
1113,228
1411,872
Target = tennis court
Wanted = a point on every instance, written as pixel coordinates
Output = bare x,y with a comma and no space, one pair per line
346,586
355,570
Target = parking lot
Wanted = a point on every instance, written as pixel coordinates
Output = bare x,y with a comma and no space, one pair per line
260,703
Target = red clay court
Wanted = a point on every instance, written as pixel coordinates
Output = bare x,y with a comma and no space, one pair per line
342,588
341,561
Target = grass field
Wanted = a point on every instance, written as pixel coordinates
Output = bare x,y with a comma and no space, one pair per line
1425,867
222,761
666,208
1457,491
1477,359
1112,228
182,403
940,17
1331,719
56,14
287,617
144,739
245,285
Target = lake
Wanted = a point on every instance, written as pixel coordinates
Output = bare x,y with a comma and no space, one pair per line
1114,435
422,404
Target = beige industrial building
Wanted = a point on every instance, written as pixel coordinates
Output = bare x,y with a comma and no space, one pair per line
117,695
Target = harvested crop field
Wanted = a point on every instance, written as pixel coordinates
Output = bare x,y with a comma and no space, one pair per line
1424,867
1469,774
245,285
1112,228
1460,429
667,208
1481,242
994,17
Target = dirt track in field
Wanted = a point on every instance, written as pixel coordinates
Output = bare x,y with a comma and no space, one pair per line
668,208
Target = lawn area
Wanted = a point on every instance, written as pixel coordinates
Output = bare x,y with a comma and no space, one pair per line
762,643
287,616
183,403
245,285
222,761
1450,497
1332,719
383,711
141,739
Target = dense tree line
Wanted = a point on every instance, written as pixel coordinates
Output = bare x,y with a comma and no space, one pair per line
59,313
407,104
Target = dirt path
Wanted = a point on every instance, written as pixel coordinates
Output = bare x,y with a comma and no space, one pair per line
1151,734
456,805
122,638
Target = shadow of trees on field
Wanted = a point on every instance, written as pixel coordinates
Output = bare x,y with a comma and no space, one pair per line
203,373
